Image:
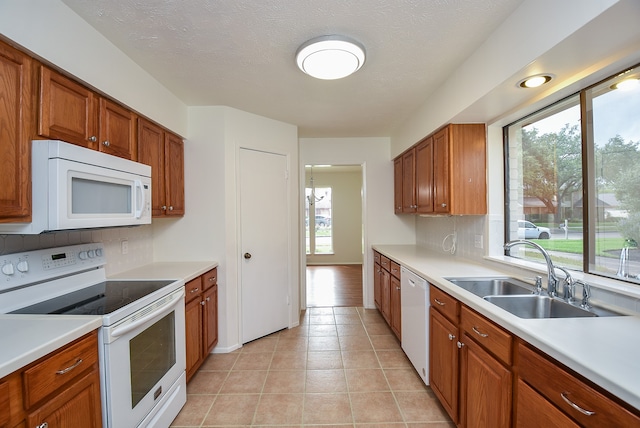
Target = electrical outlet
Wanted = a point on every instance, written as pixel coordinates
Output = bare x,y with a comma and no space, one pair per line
124,246
478,241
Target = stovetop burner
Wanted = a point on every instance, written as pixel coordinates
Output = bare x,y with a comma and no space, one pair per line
99,299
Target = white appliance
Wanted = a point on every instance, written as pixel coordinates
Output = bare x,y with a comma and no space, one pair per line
142,338
78,188
414,297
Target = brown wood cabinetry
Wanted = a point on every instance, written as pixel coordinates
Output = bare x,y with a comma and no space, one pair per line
469,364
73,113
397,185
164,152
201,319
17,92
445,173
61,389
387,291
553,385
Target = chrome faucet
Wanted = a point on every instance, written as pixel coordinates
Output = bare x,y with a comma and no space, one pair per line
552,284
568,285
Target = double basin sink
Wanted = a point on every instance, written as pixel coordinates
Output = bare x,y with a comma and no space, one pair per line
518,298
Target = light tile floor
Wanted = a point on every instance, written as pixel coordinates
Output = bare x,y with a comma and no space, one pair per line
342,367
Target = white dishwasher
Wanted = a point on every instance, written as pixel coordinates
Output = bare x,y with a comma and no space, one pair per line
415,321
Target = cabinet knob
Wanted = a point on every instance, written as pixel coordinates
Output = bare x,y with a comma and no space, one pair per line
247,256
451,336
106,143
93,139
460,345
202,303
207,299
164,208
444,205
170,207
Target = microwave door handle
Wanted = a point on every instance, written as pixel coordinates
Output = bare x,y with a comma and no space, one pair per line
137,185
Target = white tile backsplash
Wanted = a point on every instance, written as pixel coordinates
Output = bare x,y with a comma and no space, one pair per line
140,240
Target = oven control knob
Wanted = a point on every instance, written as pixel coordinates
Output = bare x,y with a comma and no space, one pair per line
98,252
7,269
83,255
91,253
23,266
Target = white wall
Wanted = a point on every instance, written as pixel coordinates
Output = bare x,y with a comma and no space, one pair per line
210,228
346,216
381,226
53,32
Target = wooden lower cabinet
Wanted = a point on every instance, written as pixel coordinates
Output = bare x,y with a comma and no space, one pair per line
395,308
387,291
443,361
201,319
40,396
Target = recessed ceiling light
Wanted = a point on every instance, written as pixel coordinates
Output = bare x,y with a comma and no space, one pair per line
535,81
330,57
626,84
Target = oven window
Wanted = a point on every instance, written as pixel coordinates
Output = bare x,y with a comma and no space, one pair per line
152,353
99,197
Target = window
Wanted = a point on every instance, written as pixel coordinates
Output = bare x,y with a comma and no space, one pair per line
318,220
572,180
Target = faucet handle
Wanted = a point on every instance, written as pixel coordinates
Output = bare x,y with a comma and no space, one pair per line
568,285
586,294
538,290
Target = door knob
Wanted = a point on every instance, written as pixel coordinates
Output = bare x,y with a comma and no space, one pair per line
247,256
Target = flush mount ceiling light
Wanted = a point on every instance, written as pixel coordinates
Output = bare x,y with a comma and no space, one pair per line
330,57
626,84
535,81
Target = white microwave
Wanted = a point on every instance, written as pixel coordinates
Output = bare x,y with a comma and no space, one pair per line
78,188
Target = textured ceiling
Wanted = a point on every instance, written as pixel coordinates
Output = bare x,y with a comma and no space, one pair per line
240,53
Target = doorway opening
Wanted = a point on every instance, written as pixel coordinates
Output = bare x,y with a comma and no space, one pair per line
333,235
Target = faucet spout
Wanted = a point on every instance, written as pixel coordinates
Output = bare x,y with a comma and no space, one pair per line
552,284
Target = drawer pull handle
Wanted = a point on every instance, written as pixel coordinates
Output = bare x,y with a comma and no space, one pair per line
476,331
575,406
212,279
43,425
438,302
68,369
194,290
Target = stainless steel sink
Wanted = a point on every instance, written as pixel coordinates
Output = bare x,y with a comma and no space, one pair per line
535,306
492,286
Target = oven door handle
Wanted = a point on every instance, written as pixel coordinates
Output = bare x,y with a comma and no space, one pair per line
161,310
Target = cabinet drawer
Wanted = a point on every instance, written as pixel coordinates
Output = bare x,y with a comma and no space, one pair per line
493,338
210,278
192,289
60,369
4,404
447,305
376,257
395,269
563,388
385,263
533,411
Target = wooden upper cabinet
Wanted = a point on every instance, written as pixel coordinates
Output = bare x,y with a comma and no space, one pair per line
424,176
174,174
408,181
17,93
164,152
68,110
117,130
445,173
397,185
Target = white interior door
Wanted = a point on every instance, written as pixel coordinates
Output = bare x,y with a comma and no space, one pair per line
264,229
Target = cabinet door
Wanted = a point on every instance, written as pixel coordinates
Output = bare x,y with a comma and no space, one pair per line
424,176
443,362
397,185
117,130
76,406
151,152
174,174
396,311
210,321
377,285
485,389
409,181
68,110
16,120
441,171
385,295
193,323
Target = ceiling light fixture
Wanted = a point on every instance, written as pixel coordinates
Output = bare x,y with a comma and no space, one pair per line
626,84
535,81
330,57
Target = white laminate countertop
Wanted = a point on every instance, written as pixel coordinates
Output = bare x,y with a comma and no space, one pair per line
25,338
604,350
168,270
